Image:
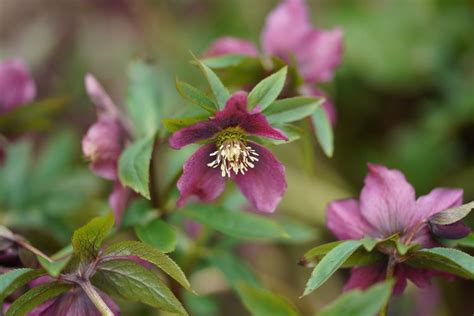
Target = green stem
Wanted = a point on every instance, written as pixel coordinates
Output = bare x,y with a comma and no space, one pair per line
390,272
32,249
154,194
96,299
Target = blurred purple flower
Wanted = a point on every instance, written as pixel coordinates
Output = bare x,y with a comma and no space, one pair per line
388,206
104,142
231,45
16,84
258,174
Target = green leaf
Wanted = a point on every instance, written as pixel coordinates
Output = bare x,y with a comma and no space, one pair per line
292,109
130,281
218,90
14,279
467,241
261,302
196,96
267,90
61,259
369,243
201,305
175,124
159,234
150,254
143,98
134,165
358,303
291,131
452,215
36,296
234,223
299,232
323,130
226,61
87,240
444,259
332,261
234,270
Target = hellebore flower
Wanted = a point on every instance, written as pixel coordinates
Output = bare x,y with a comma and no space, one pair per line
230,154
388,206
16,84
289,35
104,142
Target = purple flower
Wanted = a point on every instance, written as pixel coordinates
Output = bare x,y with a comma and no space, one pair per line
387,206
104,142
229,153
231,45
16,84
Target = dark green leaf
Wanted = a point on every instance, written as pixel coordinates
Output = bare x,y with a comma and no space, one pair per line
226,61
175,124
134,165
36,296
234,223
332,261
88,239
323,130
14,279
196,96
159,234
292,109
234,270
130,281
267,90
452,215
150,254
218,90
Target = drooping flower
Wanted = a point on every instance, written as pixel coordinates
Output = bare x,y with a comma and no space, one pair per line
289,35
16,84
388,206
104,142
229,153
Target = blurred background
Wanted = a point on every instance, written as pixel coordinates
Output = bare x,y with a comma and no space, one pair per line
404,95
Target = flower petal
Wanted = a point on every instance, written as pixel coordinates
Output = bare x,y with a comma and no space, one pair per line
452,231
100,98
436,201
420,277
193,133
364,277
231,45
345,221
264,184
199,179
16,84
118,200
387,200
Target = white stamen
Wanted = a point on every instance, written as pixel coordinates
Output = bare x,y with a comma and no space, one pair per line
234,156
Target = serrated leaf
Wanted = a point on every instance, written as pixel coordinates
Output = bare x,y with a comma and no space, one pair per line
134,165
234,270
226,61
150,254
261,302
130,281
87,240
267,90
217,87
358,303
444,259
12,280
159,234
332,261
323,130
452,215
175,124
237,224
143,98
60,261
36,296
292,109
196,96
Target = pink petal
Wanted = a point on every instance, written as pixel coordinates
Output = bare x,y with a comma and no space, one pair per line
423,237
199,179
193,134
101,99
438,200
118,200
327,104
231,45
364,277
285,28
387,200
264,184
345,221
320,52
16,84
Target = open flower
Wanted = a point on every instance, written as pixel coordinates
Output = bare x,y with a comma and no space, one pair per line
16,84
230,154
104,142
388,206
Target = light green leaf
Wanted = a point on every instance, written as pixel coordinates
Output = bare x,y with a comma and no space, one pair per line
234,223
60,261
292,109
332,261
226,61
36,296
323,130
452,215
291,131
234,270
267,90
128,280
150,254
358,303
14,279
143,98
261,302
218,90
196,96
134,165
159,234
87,240
175,124
298,231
